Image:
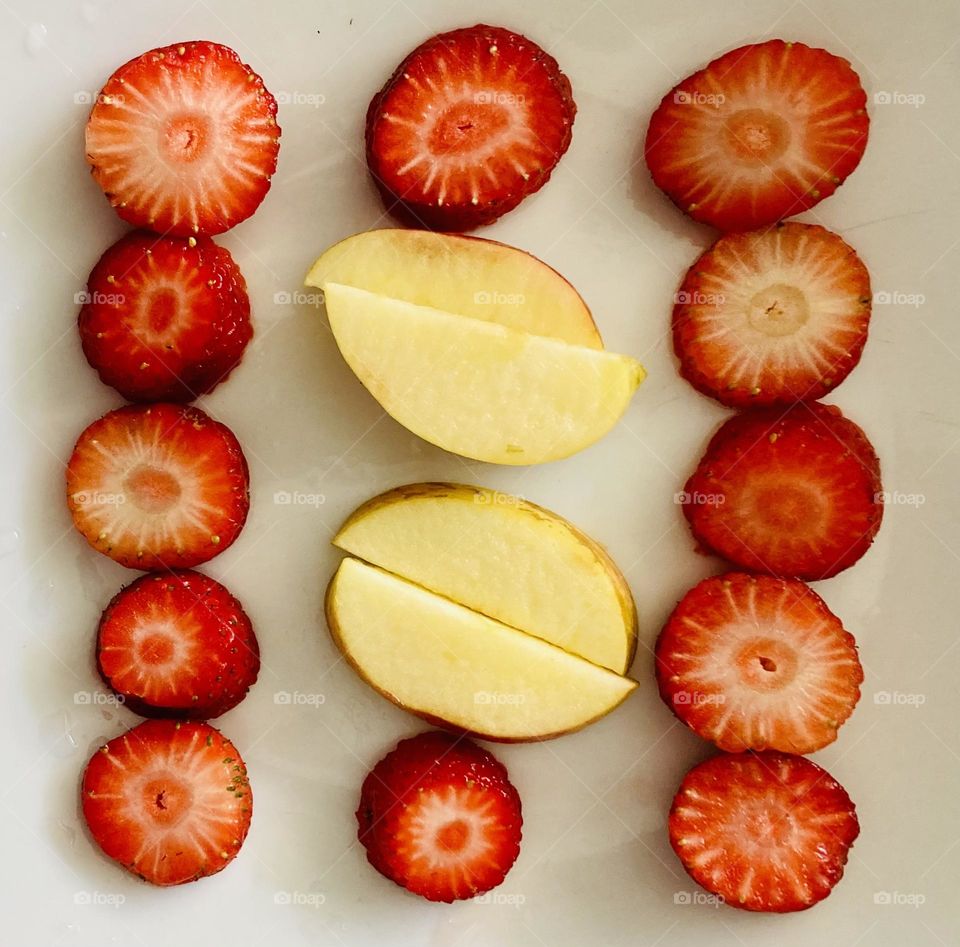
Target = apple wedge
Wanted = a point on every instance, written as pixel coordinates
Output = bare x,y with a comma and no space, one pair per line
456,667
469,276
504,557
476,388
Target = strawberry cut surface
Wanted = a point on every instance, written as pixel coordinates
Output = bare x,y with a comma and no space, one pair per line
756,662
471,122
170,801
764,132
439,816
773,316
763,831
794,493
165,318
159,486
184,139
177,644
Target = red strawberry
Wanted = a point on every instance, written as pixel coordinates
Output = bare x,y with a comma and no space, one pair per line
471,122
439,816
754,662
158,486
793,493
169,801
762,133
177,645
165,318
763,831
772,316
184,139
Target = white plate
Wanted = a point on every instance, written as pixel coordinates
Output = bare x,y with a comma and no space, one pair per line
595,866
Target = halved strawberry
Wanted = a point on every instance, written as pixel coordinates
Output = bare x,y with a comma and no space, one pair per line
169,801
471,122
754,663
772,316
184,139
439,816
177,645
165,318
793,493
763,831
762,133
158,486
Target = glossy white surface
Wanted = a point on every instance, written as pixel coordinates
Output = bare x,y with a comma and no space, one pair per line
595,866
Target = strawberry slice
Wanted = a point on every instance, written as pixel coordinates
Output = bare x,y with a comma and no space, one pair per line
177,645
755,662
439,816
184,139
165,318
792,493
169,801
158,486
762,133
471,122
772,316
763,831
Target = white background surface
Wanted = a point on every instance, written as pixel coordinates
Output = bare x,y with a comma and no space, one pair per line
595,866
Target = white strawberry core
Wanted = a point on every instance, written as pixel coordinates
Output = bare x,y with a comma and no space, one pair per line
447,833
152,489
778,310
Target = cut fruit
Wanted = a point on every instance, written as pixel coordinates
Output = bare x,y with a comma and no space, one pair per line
455,667
475,388
469,276
504,557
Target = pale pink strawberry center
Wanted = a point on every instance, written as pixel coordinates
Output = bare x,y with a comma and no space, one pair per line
156,648
778,310
166,800
184,137
161,310
453,836
756,136
766,664
151,489
466,127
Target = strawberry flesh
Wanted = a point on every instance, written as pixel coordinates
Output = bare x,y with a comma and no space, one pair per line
773,316
159,486
165,318
471,122
792,493
184,139
439,816
177,645
763,831
764,132
756,662
169,801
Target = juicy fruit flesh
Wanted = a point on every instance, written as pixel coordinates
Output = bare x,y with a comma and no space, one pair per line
477,389
504,558
756,136
779,310
443,661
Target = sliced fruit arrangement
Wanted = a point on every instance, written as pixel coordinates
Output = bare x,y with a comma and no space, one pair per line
184,139
772,316
469,124
160,486
475,388
753,662
471,276
165,318
439,816
504,557
177,645
458,668
792,493
763,831
764,132
168,800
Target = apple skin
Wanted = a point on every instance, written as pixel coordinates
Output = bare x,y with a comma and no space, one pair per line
485,498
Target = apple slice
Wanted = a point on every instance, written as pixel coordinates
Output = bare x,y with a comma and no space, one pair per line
475,388
502,556
456,667
469,276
